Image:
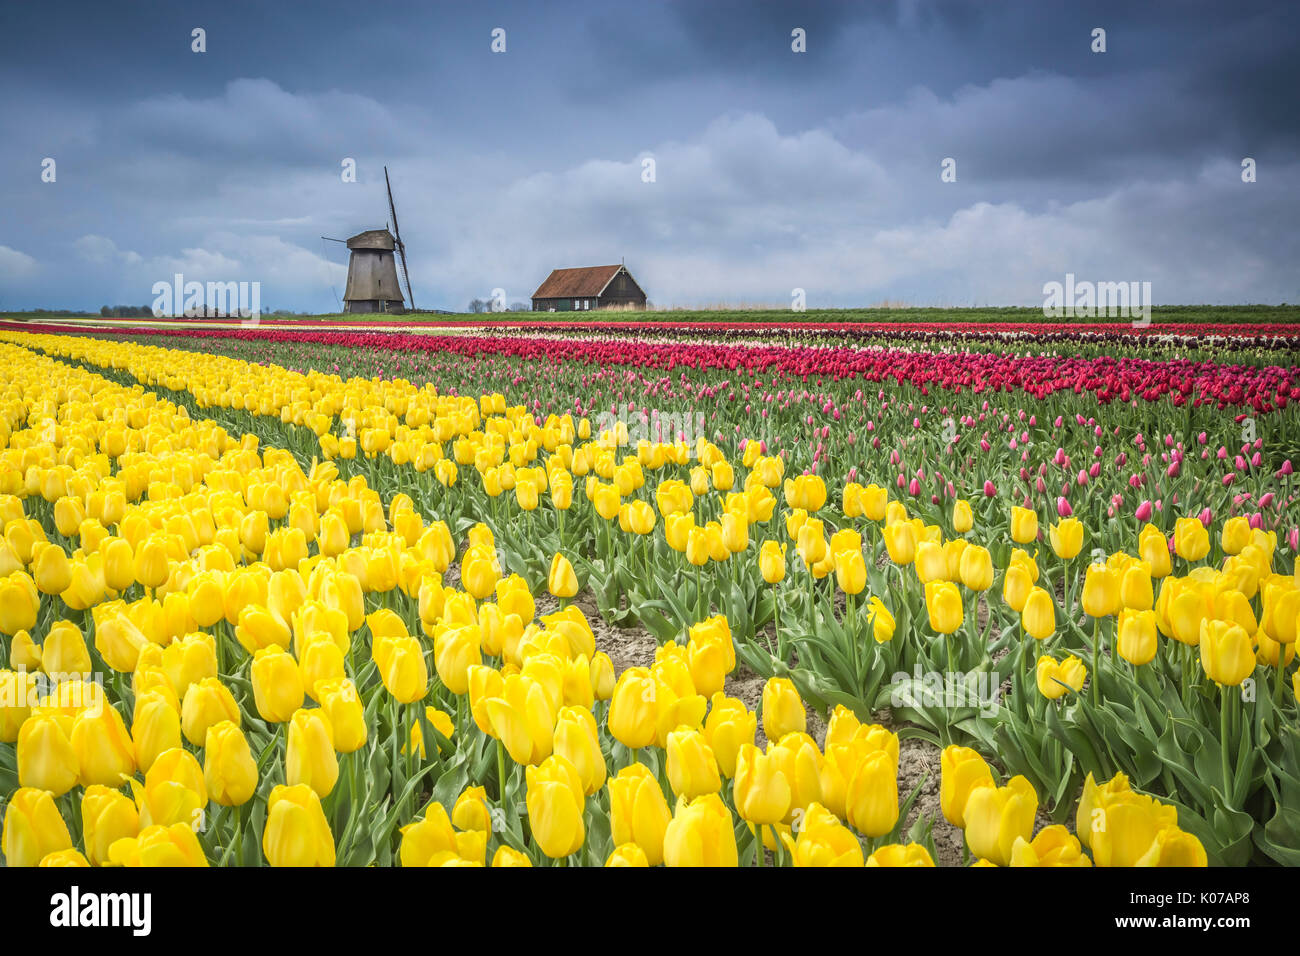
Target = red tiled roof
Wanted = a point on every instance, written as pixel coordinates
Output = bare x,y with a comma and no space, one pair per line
587,281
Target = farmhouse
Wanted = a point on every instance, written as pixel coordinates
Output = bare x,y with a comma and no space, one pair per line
591,287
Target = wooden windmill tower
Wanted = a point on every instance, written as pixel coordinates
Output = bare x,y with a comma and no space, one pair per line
372,272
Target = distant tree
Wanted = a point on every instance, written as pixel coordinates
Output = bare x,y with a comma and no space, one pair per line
520,307
477,305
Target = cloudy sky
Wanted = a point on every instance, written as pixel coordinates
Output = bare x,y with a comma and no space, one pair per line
773,170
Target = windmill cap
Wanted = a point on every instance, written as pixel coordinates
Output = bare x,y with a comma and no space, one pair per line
372,239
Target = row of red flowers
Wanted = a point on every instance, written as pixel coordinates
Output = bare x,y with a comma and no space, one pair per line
1180,381
1073,329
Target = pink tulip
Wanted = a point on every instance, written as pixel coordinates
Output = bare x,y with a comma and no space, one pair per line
1143,512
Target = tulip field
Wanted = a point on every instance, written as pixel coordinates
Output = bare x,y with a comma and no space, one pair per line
637,594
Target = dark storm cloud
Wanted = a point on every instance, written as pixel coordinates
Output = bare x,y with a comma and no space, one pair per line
774,170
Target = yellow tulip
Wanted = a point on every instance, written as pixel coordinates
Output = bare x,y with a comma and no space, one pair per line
762,791
296,833
632,714
882,621
1101,591
577,740
401,667
930,562
507,856
207,702
228,766
33,828
850,571
900,542
341,703
1054,677
19,601
943,603
1227,654
260,627
471,812
962,518
783,709
822,840
455,651
174,791
1174,847
46,758
1136,641
309,757
771,562
1154,550
522,718
1191,539
561,581
730,725
556,802
1039,614
901,854
628,854
711,655
874,502
1235,534
103,747
50,568
277,684
64,653
1135,587
1051,846
961,771
997,816
1024,525
692,769
24,653
638,812
1125,825
975,568
159,846
1066,538
18,692
871,800
188,660
701,833
155,726
107,815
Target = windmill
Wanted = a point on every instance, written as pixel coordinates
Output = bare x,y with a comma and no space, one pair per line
372,273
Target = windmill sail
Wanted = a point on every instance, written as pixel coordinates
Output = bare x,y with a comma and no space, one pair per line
401,246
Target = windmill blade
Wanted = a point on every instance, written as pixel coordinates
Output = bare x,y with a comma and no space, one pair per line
397,236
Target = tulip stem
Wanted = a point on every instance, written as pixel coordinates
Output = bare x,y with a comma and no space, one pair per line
853,639
1225,700
699,594
1069,602
501,772
776,624
1096,658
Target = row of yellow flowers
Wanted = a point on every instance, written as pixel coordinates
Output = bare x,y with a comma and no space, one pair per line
217,530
